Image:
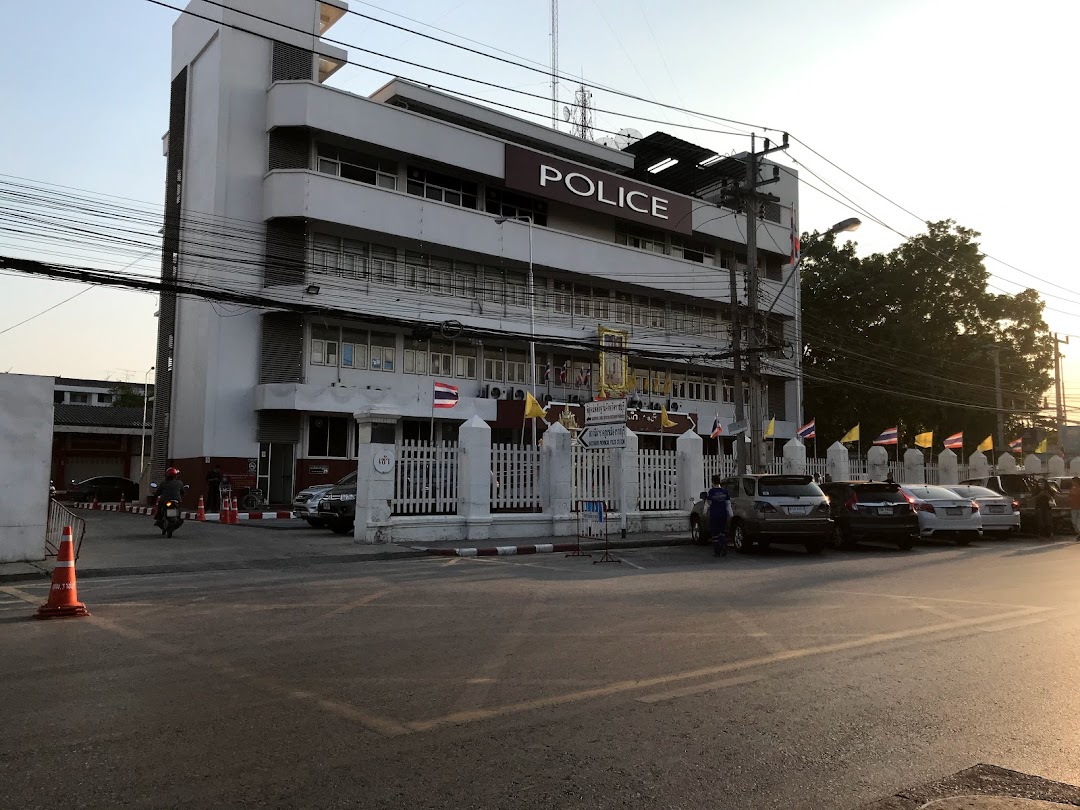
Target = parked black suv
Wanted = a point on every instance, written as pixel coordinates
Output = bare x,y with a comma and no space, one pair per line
870,510
337,509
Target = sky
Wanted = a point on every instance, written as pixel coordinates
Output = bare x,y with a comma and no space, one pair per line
952,108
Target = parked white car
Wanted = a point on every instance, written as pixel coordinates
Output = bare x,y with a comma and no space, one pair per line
1000,513
944,514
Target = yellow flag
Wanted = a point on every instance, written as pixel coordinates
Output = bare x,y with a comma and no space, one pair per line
987,444
664,421
851,436
770,431
1041,448
924,439
532,407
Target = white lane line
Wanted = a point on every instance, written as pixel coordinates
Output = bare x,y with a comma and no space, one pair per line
1016,624
686,691
633,565
934,599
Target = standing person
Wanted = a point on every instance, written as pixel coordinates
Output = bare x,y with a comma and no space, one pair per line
1074,505
1044,501
719,511
213,489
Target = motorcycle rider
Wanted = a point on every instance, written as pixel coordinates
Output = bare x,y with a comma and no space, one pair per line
171,489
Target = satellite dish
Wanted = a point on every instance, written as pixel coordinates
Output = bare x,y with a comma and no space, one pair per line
631,135
566,113
609,141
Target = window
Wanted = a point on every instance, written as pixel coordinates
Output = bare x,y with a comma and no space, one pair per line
641,238
442,360
324,345
708,389
78,397
383,264
561,297
516,290
416,359
516,367
356,166
383,352
693,250
465,280
328,436
464,362
728,387
620,310
493,365
491,285
509,204
104,399
441,187
440,279
351,258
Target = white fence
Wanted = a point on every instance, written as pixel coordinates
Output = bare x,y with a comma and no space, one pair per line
656,480
514,478
592,479
425,480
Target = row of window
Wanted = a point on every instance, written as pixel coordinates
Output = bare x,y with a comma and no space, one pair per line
355,259
82,398
353,348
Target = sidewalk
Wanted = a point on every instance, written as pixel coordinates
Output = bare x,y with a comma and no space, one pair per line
983,787
128,545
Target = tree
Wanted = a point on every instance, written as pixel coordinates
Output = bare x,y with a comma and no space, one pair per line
126,396
904,339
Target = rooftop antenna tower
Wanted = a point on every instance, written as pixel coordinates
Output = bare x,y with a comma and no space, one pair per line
554,64
580,114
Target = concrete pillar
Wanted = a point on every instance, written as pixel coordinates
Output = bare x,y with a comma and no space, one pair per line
877,464
794,458
1006,463
948,469
689,469
474,478
556,472
914,467
376,461
978,466
624,475
837,463
1055,466
1074,466
1033,464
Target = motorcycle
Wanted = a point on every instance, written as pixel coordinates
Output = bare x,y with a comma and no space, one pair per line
170,518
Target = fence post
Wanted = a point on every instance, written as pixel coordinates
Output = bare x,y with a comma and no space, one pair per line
978,466
948,470
624,479
837,463
1006,463
914,467
556,472
376,431
1056,466
1033,464
474,478
877,464
689,470
794,462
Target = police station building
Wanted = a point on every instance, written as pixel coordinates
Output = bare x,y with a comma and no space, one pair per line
410,217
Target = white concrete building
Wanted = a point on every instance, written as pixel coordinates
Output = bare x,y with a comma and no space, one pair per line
384,211
26,435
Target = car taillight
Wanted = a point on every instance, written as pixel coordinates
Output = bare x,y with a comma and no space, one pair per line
1016,506
852,503
974,507
823,507
923,506
764,506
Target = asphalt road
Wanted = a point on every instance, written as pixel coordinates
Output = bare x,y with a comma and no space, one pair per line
671,680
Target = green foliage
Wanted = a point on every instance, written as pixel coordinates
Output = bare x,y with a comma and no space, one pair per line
918,320
126,395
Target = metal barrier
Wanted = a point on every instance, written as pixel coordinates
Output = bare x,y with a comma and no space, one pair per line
59,517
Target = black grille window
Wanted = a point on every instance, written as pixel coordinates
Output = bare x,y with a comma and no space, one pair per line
441,187
328,436
508,204
356,166
291,63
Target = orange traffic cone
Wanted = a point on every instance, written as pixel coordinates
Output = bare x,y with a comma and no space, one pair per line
201,514
234,512
226,511
123,504
63,595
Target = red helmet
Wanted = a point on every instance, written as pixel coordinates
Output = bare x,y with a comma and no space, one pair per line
172,471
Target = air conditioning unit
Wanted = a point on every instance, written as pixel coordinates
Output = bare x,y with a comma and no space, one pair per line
484,392
672,406
548,398
517,393
574,398
496,393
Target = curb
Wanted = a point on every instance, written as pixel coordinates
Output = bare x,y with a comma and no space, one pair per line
550,548
211,517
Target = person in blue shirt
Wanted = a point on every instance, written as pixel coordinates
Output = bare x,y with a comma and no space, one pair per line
719,503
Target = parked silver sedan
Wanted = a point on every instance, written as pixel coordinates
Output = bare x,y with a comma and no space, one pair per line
944,514
1000,513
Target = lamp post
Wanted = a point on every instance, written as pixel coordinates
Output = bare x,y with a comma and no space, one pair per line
532,311
142,426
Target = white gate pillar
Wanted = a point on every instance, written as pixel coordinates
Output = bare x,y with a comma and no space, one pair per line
978,466
794,462
624,478
948,470
877,464
914,467
1006,463
556,472
689,470
376,465
1074,467
474,478
1056,466
1033,464
837,463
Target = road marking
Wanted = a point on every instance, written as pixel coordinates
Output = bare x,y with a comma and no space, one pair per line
934,599
754,630
620,687
1014,625
944,614
451,561
33,600
363,600
633,565
686,691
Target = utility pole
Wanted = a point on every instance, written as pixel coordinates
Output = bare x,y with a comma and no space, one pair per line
1059,388
751,201
1002,448
737,362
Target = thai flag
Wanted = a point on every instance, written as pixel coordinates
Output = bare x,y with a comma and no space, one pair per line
445,395
795,246
547,373
887,437
564,373
955,442
809,430
717,428
1017,445
584,376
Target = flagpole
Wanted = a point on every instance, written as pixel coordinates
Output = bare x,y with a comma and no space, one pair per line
432,426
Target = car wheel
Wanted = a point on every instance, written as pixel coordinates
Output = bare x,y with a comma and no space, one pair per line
315,523
963,541
906,545
342,528
839,539
739,539
815,546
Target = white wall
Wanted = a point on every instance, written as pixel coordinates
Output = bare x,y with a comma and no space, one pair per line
26,434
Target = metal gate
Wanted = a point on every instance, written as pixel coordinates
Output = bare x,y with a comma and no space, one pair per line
59,517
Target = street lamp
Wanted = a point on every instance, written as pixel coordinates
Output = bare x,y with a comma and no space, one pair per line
532,310
142,426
